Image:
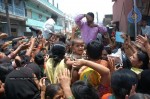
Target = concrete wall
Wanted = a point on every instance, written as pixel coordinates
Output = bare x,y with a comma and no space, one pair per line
121,8
36,10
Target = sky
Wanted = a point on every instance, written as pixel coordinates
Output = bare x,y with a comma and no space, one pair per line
75,7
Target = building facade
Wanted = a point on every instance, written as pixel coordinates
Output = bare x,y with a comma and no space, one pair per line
121,9
16,15
26,13
39,11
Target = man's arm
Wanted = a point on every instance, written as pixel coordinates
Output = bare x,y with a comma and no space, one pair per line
102,29
78,20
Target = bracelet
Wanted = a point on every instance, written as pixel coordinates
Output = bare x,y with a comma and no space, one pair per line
71,97
39,47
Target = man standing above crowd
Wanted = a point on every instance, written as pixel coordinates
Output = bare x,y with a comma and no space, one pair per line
145,29
89,29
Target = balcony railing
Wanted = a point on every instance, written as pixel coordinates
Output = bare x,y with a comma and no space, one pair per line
39,24
12,10
44,2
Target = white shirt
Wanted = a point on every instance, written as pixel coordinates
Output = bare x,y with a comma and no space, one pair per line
145,30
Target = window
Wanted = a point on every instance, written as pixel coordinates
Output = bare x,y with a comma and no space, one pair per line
50,1
28,34
14,32
29,13
57,6
0,29
9,1
40,17
47,18
17,2
3,1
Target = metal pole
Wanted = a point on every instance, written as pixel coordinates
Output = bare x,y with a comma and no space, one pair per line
135,16
7,16
97,17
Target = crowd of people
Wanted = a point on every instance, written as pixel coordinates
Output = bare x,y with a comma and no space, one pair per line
75,68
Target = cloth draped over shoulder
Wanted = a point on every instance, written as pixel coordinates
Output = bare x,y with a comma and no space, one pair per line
52,72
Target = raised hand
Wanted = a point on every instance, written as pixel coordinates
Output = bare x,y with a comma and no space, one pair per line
111,64
142,40
79,62
24,37
1,88
65,81
132,92
127,42
3,35
32,40
24,46
42,84
64,78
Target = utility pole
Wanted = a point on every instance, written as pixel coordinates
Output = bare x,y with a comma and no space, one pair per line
7,16
53,2
97,17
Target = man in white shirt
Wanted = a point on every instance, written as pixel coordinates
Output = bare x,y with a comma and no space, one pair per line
145,28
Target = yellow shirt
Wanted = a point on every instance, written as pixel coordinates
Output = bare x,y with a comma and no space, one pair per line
136,70
52,72
92,76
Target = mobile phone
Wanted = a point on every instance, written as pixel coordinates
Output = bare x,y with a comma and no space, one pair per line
119,38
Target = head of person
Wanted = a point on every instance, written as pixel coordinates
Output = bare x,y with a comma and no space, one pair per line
14,44
58,51
113,38
94,50
5,68
84,90
62,37
144,82
140,60
90,17
21,60
68,46
36,69
6,50
22,84
106,51
39,59
140,96
54,38
144,22
54,91
122,81
2,55
77,46
126,62
44,51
